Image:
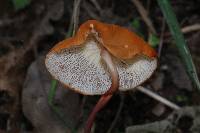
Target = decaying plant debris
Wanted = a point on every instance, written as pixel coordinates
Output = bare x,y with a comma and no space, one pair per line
28,34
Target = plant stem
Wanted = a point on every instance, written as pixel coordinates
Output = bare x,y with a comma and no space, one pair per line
179,39
52,91
107,96
100,104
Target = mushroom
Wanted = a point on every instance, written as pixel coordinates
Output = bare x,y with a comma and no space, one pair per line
101,59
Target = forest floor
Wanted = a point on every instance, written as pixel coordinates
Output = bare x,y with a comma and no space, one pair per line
26,35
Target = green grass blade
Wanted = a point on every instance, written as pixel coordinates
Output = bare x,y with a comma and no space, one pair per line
52,91
153,40
51,95
54,82
179,39
20,4
55,109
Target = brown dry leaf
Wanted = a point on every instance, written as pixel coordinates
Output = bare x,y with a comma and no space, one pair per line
185,120
35,105
43,27
13,64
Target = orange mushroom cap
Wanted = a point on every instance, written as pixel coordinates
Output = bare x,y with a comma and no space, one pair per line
120,42
77,63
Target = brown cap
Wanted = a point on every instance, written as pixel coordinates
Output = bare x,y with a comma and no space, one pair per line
76,61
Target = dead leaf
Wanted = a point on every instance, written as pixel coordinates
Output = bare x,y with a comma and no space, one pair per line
35,105
13,64
185,120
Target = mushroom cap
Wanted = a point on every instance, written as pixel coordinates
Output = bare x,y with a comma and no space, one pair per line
76,62
119,41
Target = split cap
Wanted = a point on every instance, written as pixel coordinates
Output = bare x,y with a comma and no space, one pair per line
77,63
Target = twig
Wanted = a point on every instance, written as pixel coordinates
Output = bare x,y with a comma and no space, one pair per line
74,19
117,114
88,9
158,98
186,29
161,38
190,28
96,4
144,15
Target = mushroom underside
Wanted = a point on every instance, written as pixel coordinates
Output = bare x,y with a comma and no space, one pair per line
82,69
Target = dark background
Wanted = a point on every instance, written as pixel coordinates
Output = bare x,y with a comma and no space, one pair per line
28,33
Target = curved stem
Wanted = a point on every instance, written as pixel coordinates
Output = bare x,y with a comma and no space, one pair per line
100,104
107,96
113,71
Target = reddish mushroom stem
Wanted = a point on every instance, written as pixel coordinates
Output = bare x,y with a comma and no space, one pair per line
101,103
107,96
113,71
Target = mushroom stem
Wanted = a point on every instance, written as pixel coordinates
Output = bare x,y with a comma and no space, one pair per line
107,96
113,71
101,103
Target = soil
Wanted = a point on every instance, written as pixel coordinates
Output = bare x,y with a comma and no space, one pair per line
29,33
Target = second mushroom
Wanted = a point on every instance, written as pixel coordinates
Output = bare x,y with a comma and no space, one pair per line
100,60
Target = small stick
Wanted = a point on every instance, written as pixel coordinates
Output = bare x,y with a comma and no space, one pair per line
96,4
190,28
161,38
158,98
144,15
74,18
89,10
